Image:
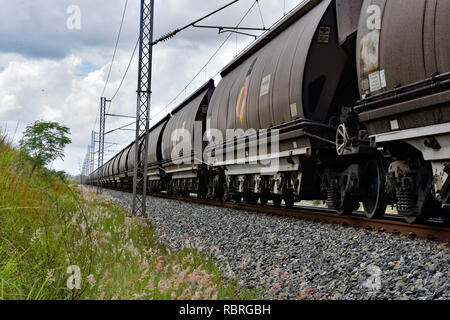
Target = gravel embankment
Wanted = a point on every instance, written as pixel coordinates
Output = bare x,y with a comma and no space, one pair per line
293,259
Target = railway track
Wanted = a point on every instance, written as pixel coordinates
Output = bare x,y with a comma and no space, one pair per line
432,231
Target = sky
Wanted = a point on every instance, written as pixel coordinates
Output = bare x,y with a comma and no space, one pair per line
55,56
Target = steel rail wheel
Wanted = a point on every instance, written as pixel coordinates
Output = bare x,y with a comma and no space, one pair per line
374,199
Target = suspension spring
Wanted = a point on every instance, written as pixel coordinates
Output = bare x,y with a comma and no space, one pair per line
333,198
406,201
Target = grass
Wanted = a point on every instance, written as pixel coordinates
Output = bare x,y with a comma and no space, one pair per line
48,225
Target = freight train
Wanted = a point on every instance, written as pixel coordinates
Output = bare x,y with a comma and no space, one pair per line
349,98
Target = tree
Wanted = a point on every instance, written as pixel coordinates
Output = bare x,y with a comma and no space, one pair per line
44,142
60,174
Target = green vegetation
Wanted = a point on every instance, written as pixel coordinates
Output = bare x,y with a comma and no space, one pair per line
44,142
48,224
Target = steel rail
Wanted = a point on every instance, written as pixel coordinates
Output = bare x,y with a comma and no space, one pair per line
429,232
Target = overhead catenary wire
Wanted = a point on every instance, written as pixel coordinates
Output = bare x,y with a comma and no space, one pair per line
118,89
207,63
285,12
174,32
164,38
112,61
215,53
260,14
114,56
125,73
115,48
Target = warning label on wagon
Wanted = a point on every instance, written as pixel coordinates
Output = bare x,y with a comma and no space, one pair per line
324,35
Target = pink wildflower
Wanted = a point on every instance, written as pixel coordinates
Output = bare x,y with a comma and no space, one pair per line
164,285
274,289
150,286
107,282
159,265
283,277
276,272
185,293
209,290
309,290
91,279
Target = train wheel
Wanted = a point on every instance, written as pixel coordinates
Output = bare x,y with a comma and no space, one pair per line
429,208
374,201
254,199
289,201
446,219
211,190
263,200
342,213
277,201
216,190
348,208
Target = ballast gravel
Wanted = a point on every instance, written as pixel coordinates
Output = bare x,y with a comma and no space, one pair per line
287,258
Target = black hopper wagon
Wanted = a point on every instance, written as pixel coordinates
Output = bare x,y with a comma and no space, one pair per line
355,92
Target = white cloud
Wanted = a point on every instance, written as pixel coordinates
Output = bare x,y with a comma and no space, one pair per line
8,102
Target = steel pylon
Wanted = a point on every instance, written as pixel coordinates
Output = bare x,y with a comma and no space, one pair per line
143,108
101,143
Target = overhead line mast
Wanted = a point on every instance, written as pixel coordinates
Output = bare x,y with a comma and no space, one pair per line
93,151
146,44
101,143
143,107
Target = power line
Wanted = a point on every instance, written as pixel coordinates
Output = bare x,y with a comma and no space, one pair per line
260,14
192,24
215,53
164,38
206,64
114,55
125,74
115,48
121,82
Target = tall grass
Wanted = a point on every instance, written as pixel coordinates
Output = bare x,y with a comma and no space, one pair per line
47,225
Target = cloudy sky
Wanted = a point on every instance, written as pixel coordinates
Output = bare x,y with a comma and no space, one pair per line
51,72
